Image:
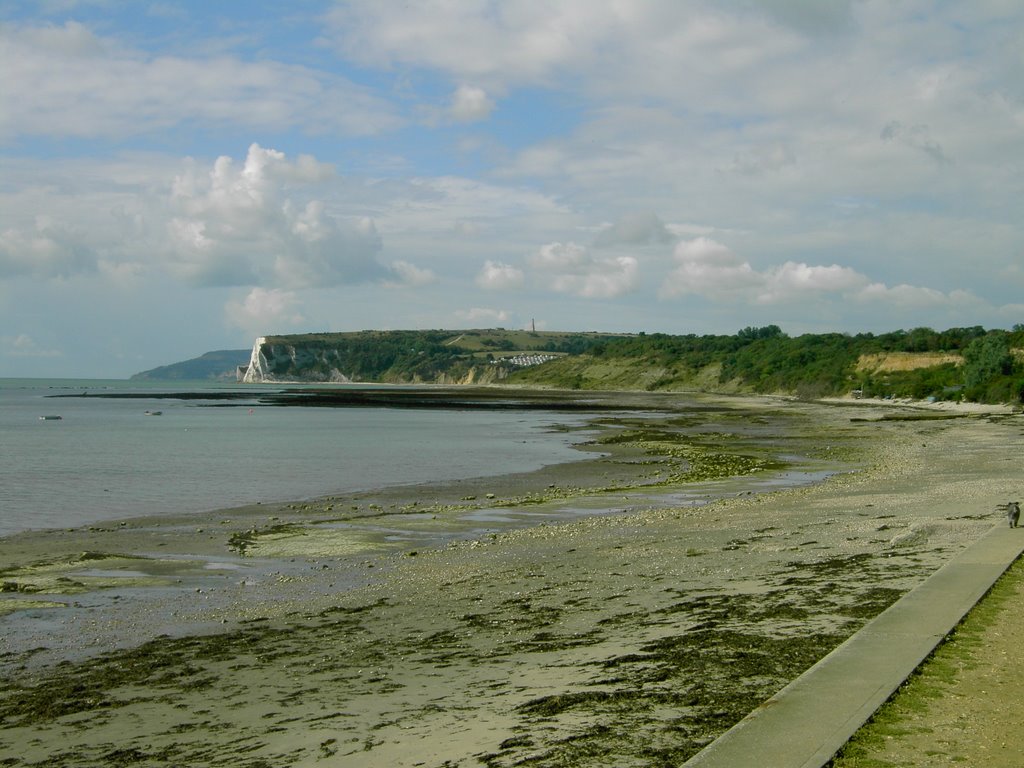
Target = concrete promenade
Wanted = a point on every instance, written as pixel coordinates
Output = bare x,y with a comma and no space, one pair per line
809,720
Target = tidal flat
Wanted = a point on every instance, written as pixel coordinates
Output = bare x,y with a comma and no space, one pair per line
623,610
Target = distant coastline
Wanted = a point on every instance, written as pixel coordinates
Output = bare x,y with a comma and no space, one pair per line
956,365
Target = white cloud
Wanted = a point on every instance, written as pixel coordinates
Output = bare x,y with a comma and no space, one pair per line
636,48
470,104
707,267
710,269
570,268
410,274
560,257
496,276
906,295
235,226
792,280
69,82
478,41
263,311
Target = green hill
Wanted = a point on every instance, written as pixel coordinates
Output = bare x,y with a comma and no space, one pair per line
220,365
431,356
972,363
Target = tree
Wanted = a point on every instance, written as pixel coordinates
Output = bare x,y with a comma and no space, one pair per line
986,358
752,334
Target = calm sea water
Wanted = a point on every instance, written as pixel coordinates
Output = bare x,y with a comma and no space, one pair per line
106,459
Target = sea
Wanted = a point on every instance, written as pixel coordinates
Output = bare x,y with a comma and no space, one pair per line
109,458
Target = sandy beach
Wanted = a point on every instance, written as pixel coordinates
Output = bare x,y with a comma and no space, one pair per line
430,626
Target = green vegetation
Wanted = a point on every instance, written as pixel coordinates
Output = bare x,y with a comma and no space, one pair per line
929,682
960,363
969,363
414,356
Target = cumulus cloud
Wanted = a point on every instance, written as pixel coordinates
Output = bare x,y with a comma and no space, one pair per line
793,279
710,269
571,268
498,276
70,82
470,104
707,267
235,226
262,309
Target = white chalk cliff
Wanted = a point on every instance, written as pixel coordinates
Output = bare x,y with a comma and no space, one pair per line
287,362
257,370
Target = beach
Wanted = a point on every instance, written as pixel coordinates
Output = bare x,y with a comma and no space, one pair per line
311,634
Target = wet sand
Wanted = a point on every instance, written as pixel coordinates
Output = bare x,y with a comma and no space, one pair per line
425,626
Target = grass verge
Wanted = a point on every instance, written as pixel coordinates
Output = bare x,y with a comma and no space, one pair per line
931,681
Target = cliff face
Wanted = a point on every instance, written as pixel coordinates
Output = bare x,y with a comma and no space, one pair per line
275,360
407,357
289,362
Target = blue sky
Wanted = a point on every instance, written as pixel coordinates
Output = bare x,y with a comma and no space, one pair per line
177,177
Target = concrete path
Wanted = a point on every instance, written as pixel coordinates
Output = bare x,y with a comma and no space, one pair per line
808,721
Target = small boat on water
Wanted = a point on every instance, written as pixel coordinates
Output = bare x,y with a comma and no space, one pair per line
154,413
50,418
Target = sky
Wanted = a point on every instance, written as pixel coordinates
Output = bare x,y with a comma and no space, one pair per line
180,177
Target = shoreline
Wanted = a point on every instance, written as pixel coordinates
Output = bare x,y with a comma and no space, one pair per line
243,561
600,638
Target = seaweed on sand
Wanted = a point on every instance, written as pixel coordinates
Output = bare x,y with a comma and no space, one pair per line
665,703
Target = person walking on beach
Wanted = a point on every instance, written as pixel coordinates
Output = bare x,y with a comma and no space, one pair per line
1013,513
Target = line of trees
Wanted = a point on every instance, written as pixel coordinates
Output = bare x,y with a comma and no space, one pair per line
989,365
